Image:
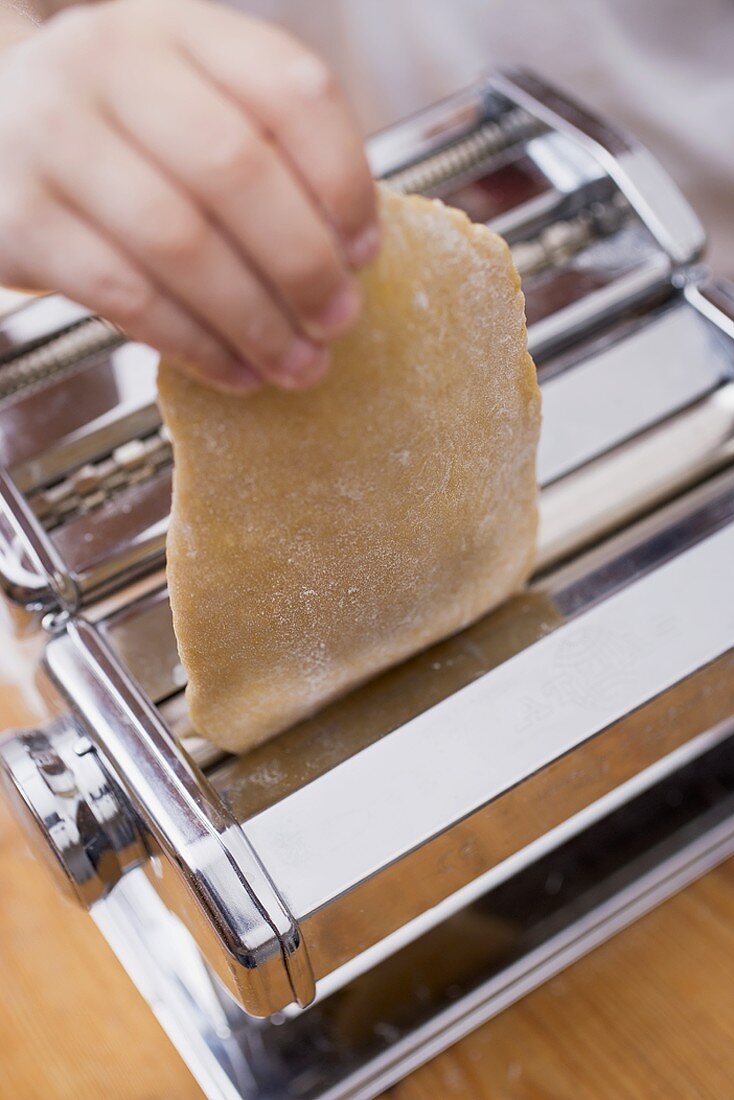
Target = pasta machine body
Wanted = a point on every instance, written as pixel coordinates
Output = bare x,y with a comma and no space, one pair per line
315,918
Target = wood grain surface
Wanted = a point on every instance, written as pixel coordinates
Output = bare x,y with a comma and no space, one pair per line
649,1015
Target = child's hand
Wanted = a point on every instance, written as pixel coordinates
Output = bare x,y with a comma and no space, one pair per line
192,174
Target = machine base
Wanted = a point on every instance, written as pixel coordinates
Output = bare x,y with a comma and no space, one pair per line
362,1038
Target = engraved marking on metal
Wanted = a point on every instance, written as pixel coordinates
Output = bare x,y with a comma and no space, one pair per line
505,726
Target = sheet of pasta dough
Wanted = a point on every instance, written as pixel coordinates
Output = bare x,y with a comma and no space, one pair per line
319,536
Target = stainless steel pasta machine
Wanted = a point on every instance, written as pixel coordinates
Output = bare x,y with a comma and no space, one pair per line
315,918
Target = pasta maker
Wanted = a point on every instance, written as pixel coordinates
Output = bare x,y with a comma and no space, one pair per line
315,918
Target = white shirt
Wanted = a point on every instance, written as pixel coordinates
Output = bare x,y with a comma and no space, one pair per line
664,69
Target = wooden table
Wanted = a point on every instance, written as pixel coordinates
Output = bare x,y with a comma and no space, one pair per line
649,1015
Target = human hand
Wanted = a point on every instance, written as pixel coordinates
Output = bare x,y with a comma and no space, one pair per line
192,174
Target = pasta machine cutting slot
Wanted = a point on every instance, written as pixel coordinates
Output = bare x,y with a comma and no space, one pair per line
318,916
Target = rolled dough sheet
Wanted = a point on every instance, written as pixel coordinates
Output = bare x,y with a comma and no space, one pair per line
319,536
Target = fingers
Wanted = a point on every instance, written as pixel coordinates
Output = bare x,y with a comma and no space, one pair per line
195,176
241,179
295,99
104,279
168,236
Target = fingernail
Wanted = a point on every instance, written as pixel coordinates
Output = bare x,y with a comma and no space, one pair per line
300,359
341,311
364,247
233,377
247,380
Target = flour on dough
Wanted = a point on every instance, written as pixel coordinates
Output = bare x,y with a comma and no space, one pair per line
319,536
